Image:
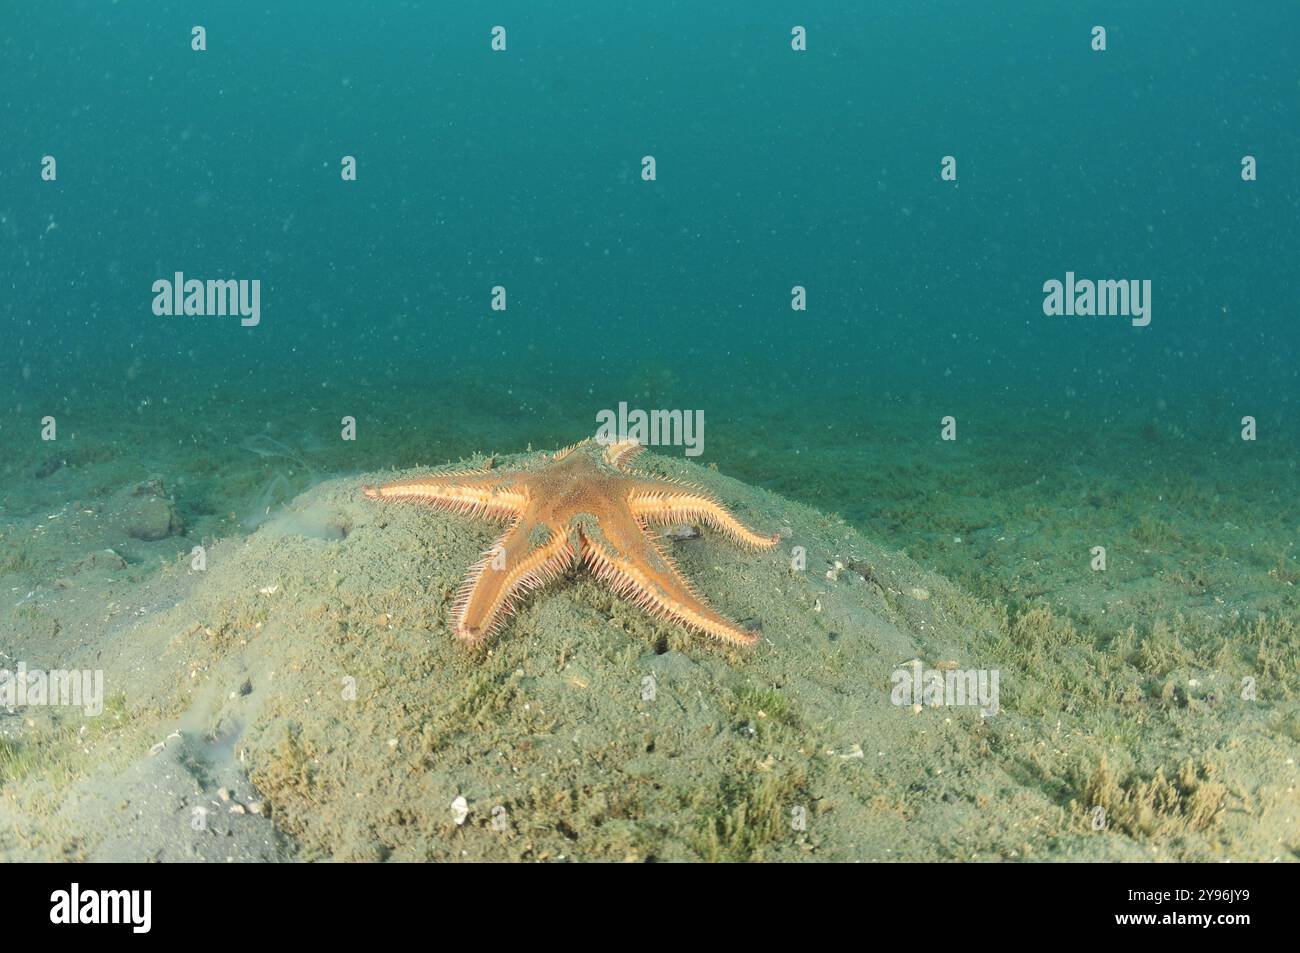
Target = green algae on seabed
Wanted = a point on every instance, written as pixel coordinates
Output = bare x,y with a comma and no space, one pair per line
55,748
1191,800
364,721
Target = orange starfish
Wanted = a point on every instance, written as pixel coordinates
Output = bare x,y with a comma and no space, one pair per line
581,502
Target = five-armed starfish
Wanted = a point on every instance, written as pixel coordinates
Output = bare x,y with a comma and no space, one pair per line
582,502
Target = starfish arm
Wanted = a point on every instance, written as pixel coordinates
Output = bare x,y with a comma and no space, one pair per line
509,570
568,451
636,568
620,455
486,495
657,502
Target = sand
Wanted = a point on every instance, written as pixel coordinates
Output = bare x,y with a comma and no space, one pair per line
301,698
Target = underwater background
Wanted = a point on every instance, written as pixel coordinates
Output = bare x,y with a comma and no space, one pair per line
774,169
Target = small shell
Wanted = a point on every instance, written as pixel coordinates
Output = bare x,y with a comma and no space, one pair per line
459,810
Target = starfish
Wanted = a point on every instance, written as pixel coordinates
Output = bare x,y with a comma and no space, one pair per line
584,504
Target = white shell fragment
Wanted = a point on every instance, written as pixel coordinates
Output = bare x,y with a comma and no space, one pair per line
459,810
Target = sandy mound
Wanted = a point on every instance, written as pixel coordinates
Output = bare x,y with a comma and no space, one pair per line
309,676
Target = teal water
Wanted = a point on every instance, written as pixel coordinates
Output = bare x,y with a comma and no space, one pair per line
775,168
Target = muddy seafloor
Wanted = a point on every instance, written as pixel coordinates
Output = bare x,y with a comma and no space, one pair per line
302,698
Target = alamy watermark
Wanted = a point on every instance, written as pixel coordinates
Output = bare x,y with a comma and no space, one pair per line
128,907
946,687
654,428
214,297
1128,298
22,687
